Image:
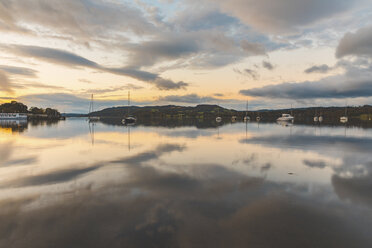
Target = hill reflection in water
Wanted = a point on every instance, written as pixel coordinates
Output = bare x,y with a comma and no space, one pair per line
235,185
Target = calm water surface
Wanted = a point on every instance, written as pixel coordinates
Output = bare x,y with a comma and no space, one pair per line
74,184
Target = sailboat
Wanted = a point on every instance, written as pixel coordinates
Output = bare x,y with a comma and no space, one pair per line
286,117
320,118
91,110
344,119
246,117
316,118
128,119
218,118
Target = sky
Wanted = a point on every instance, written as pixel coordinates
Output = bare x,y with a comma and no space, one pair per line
273,53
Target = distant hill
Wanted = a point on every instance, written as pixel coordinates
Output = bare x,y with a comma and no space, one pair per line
167,111
204,111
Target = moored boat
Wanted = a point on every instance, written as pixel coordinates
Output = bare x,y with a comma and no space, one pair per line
286,117
128,119
13,116
344,119
246,117
91,110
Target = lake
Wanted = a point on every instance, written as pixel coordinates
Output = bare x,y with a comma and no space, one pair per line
79,184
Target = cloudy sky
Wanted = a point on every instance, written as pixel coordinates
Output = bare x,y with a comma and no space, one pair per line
186,52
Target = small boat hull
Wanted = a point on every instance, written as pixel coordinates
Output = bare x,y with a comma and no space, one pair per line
344,119
129,120
286,117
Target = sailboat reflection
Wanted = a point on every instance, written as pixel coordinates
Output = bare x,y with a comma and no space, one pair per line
128,130
91,131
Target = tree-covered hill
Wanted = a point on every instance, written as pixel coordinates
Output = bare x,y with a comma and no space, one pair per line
302,115
34,112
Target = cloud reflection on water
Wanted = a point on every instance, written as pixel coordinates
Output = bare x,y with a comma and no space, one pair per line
158,195
164,209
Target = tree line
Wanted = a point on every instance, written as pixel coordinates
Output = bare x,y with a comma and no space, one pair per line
18,107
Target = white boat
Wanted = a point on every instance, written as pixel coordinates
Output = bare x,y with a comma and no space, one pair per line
320,119
128,119
344,119
286,117
316,118
234,118
258,118
13,116
218,118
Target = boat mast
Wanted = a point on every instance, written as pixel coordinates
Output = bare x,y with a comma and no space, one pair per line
291,109
91,104
128,102
246,112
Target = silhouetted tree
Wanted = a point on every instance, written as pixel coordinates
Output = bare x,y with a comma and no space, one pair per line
13,107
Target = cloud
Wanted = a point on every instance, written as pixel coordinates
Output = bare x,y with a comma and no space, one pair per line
201,16
28,84
18,70
315,89
153,51
283,15
69,59
5,84
111,89
152,78
318,69
248,72
84,21
192,49
189,98
268,65
355,82
252,48
357,44
52,55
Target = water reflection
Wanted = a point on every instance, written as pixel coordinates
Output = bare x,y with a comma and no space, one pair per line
13,125
239,185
